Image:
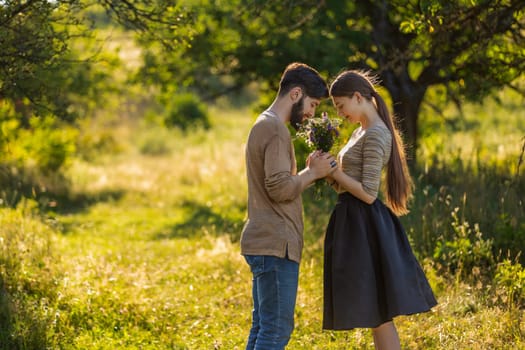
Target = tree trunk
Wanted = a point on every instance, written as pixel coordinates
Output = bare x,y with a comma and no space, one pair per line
407,111
406,97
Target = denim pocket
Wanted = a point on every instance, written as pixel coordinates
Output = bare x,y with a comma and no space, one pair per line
256,263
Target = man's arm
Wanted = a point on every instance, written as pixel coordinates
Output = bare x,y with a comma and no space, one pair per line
318,165
279,182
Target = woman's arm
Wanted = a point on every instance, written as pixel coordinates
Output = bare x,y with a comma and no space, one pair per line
353,186
332,183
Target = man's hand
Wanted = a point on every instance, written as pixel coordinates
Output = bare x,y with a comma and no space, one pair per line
321,164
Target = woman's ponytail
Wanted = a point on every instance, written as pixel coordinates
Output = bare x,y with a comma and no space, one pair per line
398,180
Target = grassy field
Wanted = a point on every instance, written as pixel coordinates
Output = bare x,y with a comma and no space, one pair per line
144,254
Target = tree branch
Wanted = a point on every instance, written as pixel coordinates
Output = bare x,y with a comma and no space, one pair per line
16,11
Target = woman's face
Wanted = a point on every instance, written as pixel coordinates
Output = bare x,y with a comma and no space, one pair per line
348,108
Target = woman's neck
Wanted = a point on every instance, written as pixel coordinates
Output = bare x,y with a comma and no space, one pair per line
370,120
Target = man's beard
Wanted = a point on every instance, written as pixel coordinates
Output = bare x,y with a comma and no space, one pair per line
297,113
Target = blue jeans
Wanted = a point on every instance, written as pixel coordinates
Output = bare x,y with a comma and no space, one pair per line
274,293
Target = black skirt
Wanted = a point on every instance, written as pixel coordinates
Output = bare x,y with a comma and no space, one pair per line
370,272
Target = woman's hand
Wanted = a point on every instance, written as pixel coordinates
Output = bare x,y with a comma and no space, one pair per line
314,154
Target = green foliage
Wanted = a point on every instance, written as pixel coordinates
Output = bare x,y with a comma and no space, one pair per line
46,144
509,282
448,185
33,159
53,57
465,250
509,234
57,65
49,81
464,163
155,140
30,45
469,48
493,55
9,126
28,280
47,74
185,111
153,146
91,144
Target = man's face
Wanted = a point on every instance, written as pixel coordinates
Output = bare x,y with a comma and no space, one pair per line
296,117
302,110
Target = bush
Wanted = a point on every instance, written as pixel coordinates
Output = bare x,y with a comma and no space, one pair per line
51,149
185,111
92,144
46,144
510,283
466,249
33,155
154,141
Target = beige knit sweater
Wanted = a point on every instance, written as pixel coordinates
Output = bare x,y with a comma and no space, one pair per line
365,155
275,214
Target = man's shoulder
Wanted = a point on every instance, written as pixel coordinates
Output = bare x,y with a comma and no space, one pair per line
267,125
265,119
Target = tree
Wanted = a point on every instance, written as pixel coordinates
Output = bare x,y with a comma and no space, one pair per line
40,72
53,71
468,47
30,48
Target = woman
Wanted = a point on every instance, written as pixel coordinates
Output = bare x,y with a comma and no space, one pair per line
371,274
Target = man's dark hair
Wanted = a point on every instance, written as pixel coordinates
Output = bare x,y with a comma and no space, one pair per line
305,77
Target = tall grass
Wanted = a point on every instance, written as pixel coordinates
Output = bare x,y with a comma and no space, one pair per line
29,275
472,161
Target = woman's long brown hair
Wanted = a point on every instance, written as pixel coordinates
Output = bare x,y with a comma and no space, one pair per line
398,181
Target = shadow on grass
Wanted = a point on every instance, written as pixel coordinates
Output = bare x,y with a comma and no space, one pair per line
74,203
52,192
201,220
6,326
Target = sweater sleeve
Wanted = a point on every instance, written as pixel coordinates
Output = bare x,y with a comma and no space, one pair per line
374,150
279,181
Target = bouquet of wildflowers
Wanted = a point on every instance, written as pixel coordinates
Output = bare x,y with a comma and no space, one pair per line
320,134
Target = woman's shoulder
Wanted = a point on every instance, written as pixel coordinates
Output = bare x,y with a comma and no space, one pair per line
378,135
378,128
378,131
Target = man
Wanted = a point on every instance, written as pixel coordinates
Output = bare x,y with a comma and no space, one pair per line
272,238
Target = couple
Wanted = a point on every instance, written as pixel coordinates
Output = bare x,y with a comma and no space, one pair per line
370,272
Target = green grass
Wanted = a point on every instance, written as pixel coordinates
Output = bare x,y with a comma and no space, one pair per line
144,254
